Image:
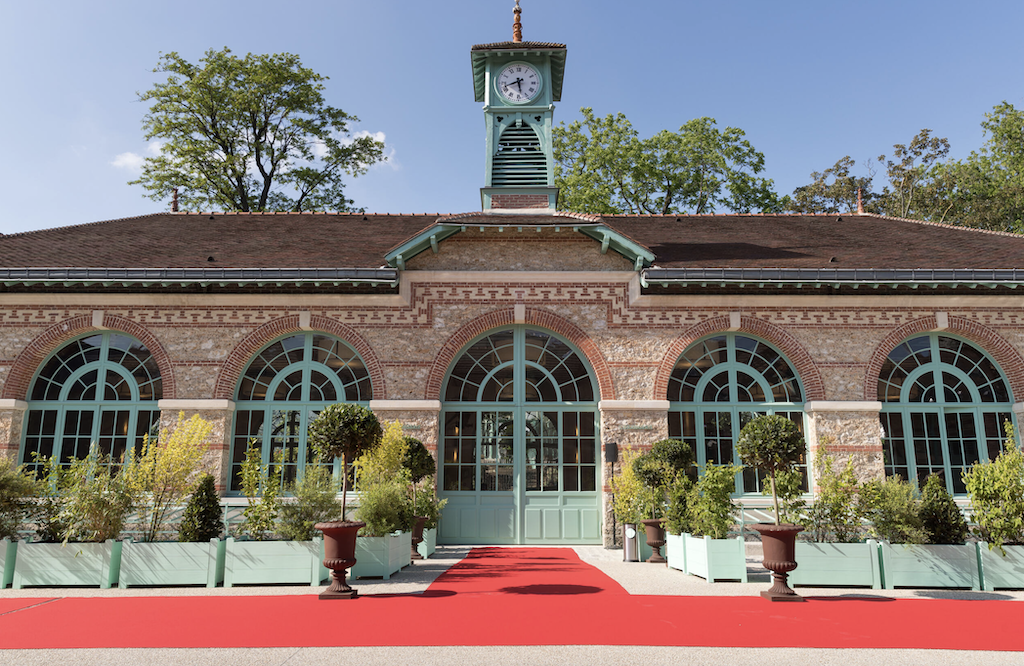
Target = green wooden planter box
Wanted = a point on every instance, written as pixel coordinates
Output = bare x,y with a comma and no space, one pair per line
1001,572
73,564
171,563
8,552
675,551
427,547
914,565
715,559
273,562
842,564
379,557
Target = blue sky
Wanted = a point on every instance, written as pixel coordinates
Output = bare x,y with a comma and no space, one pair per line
809,82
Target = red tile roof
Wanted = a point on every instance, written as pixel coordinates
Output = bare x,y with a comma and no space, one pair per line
350,240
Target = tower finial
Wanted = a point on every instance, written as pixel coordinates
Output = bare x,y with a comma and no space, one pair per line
517,27
860,203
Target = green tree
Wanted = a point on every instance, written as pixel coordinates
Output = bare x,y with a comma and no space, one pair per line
986,189
906,195
833,191
603,166
203,518
249,134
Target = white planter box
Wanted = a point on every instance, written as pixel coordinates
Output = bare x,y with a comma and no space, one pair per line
926,565
427,547
273,562
74,564
171,563
379,557
675,551
1001,572
8,552
712,559
842,564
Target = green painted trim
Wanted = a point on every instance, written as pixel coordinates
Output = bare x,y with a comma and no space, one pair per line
272,562
923,565
479,61
427,239
843,564
609,238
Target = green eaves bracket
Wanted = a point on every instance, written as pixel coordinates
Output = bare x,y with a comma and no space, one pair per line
427,239
613,240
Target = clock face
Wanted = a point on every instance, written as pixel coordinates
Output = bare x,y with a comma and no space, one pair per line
518,83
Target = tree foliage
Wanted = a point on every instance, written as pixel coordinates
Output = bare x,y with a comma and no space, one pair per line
261,485
249,134
345,431
168,469
203,518
772,444
832,191
996,489
315,501
603,166
17,487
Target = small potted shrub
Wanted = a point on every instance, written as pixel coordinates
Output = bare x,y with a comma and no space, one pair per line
710,514
344,431
632,500
996,490
384,545
771,444
658,469
912,552
420,465
835,552
89,502
17,488
166,471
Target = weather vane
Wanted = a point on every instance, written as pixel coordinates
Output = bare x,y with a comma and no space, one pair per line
517,27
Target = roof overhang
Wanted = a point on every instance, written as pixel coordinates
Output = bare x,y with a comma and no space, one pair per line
914,278
145,277
432,237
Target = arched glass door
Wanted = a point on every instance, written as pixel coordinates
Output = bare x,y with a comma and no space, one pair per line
519,443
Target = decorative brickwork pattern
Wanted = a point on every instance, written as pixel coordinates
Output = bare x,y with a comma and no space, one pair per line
1009,360
243,353
29,360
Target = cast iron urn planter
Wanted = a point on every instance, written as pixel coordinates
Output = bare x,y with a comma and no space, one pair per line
655,532
339,555
417,536
779,543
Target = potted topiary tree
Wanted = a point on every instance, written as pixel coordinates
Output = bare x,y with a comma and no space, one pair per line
659,469
772,443
421,465
343,431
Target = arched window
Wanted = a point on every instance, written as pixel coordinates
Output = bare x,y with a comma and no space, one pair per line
102,389
944,402
718,385
287,384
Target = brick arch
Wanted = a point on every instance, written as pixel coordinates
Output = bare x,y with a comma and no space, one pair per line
28,361
993,344
803,364
243,353
506,317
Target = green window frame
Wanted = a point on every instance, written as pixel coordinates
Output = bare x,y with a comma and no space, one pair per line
101,389
285,385
720,383
944,402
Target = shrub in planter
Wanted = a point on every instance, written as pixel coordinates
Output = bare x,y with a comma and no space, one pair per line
996,490
941,518
835,516
315,501
262,489
383,481
96,497
17,487
632,497
421,466
893,508
204,517
167,470
711,510
658,469
344,431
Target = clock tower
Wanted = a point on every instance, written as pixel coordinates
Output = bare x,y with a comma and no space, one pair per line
518,82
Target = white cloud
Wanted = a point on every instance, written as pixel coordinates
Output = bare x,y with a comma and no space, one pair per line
134,161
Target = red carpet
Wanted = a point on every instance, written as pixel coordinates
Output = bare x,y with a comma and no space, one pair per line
510,596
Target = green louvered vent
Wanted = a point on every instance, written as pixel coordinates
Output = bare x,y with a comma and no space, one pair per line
519,160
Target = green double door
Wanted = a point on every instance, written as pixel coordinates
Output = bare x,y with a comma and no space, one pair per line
523,468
